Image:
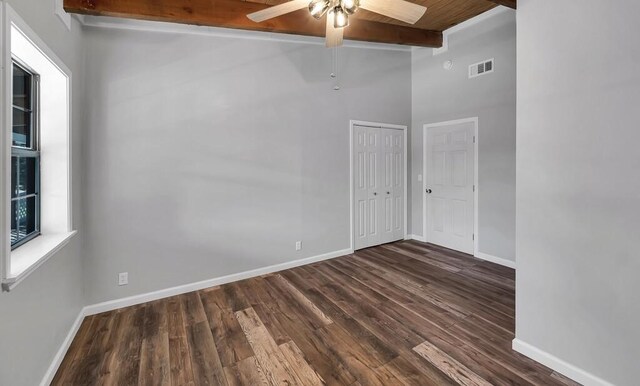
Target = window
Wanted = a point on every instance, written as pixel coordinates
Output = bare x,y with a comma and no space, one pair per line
36,218
25,157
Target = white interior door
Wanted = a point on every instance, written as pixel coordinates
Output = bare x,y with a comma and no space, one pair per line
366,184
449,185
378,172
393,185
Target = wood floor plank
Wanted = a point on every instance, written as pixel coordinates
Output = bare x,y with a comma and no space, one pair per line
205,362
406,372
406,313
179,355
298,363
465,286
267,353
246,372
289,306
380,286
127,366
115,340
416,289
236,298
446,265
93,358
352,355
316,350
230,341
70,363
454,369
265,305
193,309
302,300
154,355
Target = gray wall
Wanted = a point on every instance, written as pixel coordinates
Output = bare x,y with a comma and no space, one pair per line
36,316
439,95
578,195
208,156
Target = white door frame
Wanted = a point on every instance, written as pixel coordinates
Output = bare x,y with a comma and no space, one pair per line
427,126
377,125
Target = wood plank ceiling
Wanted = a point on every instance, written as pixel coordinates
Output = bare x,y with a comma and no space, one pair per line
364,25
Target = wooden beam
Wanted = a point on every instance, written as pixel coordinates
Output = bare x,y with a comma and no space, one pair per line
507,3
233,14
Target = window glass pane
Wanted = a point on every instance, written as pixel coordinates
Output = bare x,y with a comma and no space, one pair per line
21,128
23,219
21,88
24,178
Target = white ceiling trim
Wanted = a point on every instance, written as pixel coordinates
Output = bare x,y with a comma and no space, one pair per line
499,10
175,28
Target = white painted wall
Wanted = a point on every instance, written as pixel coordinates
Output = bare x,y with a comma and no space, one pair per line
207,156
442,95
36,316
578,192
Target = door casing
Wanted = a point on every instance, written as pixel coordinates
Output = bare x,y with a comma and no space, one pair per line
427,126
379,125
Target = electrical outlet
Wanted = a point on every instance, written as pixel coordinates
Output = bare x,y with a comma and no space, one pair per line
298,245
123,278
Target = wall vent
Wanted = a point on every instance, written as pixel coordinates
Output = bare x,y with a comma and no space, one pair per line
482,68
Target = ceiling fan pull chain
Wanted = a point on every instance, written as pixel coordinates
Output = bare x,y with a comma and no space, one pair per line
334,73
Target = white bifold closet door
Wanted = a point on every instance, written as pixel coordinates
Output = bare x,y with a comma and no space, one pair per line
378,172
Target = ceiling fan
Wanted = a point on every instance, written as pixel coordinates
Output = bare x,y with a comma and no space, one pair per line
338,12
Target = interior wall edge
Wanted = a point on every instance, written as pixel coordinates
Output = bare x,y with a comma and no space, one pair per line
567,369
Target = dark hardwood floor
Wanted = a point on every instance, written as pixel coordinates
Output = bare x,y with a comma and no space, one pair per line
406,313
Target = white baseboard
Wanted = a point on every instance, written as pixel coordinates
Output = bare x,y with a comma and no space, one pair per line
479,255
181,289
417,237
497,260
62,351
577,374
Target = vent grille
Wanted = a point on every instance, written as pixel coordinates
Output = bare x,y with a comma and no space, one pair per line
482,68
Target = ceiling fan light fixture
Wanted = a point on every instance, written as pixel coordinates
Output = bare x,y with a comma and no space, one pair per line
340,17
350,6
318,8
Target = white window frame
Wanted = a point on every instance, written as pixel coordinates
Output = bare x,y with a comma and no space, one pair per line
34,253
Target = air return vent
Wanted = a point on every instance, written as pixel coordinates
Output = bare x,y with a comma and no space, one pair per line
481,68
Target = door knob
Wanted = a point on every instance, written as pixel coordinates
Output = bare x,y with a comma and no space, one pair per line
388,193
375,193
428,191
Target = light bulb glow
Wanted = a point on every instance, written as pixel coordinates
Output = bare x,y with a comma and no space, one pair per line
318,8
340,17
350,6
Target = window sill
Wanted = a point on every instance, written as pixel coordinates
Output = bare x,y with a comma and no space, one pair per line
28,257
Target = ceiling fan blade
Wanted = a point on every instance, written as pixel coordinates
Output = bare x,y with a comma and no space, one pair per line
334,35
398,9
278,10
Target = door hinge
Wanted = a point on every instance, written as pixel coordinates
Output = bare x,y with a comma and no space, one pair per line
474,188
474,139
473,236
